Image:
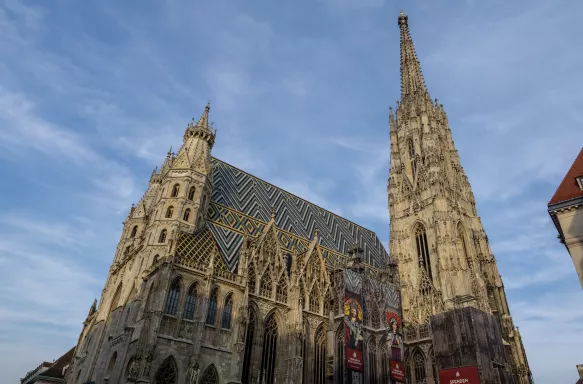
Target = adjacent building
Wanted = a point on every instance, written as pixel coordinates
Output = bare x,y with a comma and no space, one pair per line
566,210
50,373
221,277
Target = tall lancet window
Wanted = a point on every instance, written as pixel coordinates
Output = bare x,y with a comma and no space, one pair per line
372,361
385,367
411,149
247,359
423,249
419,367
320,356
339,356
269,353
227,312
190,305
305,344
212,308
172,299
461,233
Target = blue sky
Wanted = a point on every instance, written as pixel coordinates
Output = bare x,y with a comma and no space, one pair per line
92,95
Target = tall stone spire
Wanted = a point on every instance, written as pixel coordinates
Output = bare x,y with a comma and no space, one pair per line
437,238
412,82
201,129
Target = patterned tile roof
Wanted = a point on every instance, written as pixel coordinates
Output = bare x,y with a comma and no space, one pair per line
242,204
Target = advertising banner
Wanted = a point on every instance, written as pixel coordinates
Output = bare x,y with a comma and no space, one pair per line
397,370
464,375
353,331
394,335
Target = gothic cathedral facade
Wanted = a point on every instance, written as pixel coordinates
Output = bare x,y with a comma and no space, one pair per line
221,277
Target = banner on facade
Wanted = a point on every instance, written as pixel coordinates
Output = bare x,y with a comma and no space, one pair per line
397,370
464,375
353,331
394,335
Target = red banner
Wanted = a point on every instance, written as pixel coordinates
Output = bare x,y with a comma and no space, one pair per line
397,370
353,331
465,375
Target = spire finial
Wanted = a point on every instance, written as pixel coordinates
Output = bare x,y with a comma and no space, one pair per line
273,213
412,81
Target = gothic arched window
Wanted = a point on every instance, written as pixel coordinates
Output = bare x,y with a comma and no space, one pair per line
191,193
269,352
375,316
155,259
203,201
186,214
248,358
423,249
209,376
419,367
314,301
175,190
320,357
281,290
252,279
111,364
190,304
212,309
172,299
411,149
461,233
134,231
167,373
305,354
115,299
227,312
372,361
169,212
162,238
339,356
385,367
265,288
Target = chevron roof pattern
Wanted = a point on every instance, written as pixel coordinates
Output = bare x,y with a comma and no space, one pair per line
242,204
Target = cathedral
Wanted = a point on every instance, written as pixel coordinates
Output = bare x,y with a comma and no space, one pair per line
220,277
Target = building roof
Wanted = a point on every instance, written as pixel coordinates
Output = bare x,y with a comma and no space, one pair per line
242,204
56,370
569,188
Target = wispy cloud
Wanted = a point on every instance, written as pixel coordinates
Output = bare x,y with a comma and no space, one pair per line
93,95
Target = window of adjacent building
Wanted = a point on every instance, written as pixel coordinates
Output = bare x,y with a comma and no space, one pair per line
190,304
580,182
172,299
175,190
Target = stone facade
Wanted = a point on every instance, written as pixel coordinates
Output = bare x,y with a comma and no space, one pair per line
437,238
220,277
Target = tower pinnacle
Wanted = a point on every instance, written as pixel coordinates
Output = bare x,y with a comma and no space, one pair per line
412,82
201,129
